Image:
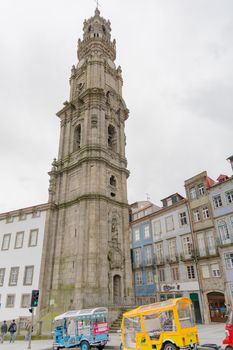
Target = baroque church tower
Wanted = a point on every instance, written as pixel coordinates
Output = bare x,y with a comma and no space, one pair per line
86,255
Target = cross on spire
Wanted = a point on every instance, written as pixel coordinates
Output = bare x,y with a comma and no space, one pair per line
97,3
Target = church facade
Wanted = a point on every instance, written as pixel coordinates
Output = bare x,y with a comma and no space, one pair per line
86,254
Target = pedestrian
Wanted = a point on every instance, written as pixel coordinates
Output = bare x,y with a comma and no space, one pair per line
3,331
12,329
28,330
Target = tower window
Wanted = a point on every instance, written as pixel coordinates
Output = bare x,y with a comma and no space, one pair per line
104,30
112,144
77,137
113,181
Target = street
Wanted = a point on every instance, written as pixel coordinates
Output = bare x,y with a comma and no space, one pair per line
213,333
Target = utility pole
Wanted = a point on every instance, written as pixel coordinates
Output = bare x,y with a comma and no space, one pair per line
30,334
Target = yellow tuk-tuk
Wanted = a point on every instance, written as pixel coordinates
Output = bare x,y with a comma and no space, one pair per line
166,325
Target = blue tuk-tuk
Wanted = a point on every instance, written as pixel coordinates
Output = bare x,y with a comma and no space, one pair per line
83,328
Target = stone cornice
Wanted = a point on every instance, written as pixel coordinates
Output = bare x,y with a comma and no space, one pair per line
27,210
91,197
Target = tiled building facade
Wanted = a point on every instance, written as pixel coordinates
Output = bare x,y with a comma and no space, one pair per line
192,247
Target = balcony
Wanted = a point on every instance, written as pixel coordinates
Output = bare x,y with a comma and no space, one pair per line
224,242
172,259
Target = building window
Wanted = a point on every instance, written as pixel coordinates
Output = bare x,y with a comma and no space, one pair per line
191,272
77,137
138,278
6,241
172,249
159,252
196,215
148,254
229,260
33,238
137,257
25,300
146,231
112,142
112,181
10,300
36,214
201,190
223,232
183,218
192,193
211,242
162,275
169,223
28,275
229,196
157,229
136,234
205,213
149,277
19,240
2,276
14,273
175,273
215,270
187,245
22,216
205,271
9,219
201,244
217,201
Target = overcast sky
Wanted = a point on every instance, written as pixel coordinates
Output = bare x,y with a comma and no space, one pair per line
177,63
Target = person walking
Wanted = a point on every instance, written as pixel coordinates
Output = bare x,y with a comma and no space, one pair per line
29,330
12,329
3,331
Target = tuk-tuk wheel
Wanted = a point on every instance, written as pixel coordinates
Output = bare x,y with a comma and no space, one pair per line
121,346
228,348
169,346
85,345
100,347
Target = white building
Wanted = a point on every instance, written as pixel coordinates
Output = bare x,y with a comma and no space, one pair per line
21,242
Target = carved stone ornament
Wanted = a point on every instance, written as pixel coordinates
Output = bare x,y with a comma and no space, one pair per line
115,258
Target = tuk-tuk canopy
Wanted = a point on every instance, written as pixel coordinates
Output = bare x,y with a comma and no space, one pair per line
83,314
158,307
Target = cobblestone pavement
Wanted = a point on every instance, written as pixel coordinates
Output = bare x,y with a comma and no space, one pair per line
213,333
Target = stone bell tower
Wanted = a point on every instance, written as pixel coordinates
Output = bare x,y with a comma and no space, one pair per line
86,255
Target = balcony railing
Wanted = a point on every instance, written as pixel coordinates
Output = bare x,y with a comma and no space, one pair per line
223,242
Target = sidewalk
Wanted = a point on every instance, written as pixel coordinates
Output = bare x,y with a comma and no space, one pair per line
213,333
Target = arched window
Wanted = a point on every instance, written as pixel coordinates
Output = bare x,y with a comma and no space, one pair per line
112,142
77,137
112,181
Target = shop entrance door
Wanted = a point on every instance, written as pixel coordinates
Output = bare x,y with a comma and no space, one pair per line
217,307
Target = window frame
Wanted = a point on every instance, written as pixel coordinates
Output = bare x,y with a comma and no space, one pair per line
217,201
11,305
229,197
23,306
10,283
191,274
3,270
25,275
3,239
17,233
183,218
30,237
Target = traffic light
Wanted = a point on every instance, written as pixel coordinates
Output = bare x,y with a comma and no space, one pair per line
35,298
